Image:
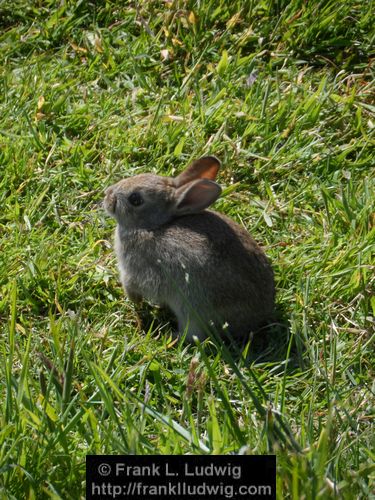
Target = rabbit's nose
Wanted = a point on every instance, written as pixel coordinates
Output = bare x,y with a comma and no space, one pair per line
110,200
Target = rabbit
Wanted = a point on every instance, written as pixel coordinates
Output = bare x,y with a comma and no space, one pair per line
199,263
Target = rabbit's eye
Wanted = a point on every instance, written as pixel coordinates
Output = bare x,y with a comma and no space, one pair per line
135,199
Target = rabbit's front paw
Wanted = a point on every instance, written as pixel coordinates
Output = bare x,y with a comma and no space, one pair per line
134,296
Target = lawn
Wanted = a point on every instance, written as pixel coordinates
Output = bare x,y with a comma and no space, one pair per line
283,93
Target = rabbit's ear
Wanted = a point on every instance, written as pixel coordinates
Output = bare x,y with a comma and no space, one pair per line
196,196
204,168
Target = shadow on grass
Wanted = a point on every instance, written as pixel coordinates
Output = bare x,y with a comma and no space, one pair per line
273,343
276,343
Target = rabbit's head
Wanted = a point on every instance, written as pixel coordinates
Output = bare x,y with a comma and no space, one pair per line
148,201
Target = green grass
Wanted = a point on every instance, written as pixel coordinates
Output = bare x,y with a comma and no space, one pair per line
92,92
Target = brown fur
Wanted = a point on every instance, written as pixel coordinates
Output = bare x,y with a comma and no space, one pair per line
203,266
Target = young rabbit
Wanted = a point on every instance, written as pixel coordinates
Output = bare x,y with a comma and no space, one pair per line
172,251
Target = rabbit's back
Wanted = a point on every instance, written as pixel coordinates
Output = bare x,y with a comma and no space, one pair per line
202,265
236,275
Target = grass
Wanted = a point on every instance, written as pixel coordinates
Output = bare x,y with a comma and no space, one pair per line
282,92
